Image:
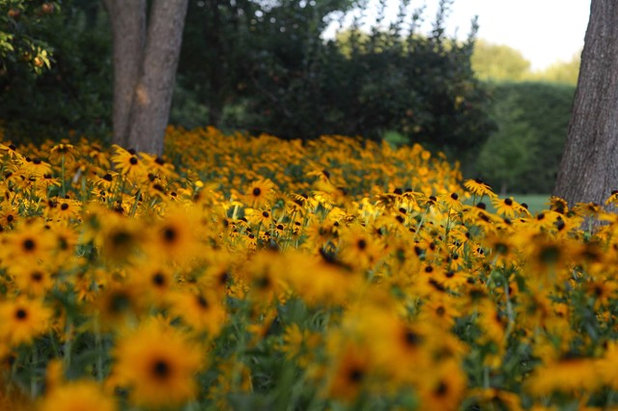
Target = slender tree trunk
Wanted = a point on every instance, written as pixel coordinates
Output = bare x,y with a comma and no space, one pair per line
128,20
145,62
589,168
153,93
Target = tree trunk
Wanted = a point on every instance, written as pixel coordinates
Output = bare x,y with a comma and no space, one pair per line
128,20
145,61
153,93
589,168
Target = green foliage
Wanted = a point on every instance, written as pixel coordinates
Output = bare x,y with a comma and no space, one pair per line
20,42
562,72
493,62
271,64
524,153
498,62
74,95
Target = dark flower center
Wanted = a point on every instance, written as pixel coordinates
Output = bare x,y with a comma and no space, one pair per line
362,244
224,278
169,234
119,302
411,338
257,191
133,160
202,302
121,238
161,369
158,279
21,314
441,389
263,282
29,244
356,375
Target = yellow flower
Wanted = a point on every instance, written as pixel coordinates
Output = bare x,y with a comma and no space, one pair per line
349,373
444,387
128,163
507,207
158,364
204,312
175,237
565,375
22,319
479,188
260,193
77,396
612,199
31,278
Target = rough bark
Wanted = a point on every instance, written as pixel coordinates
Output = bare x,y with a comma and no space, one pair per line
145,62
589,167
153,93
128,21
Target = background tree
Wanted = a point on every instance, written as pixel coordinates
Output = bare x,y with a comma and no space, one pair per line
73,96
589,166
498,62
20,42
145,59
522,155
391,79
565,72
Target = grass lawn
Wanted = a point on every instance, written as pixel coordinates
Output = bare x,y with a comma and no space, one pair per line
536,202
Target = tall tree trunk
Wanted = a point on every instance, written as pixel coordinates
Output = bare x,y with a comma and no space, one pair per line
145,61
128,20
153,93
589,168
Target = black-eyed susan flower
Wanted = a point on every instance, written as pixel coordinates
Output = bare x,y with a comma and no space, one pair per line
479,188
32,278
564,375
443,388
204,312
23,319
175,237
260,193
117,305
158,364
350,372
30,241
155,279
128,163
77,395
62,152
507,207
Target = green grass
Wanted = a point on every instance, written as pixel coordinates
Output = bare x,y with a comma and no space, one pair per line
536,202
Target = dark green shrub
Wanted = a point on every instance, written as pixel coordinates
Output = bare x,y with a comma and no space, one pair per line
74,96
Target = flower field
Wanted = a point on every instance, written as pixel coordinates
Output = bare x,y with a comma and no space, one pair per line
252,273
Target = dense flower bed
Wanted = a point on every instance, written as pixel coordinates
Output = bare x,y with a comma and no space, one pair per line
248,272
